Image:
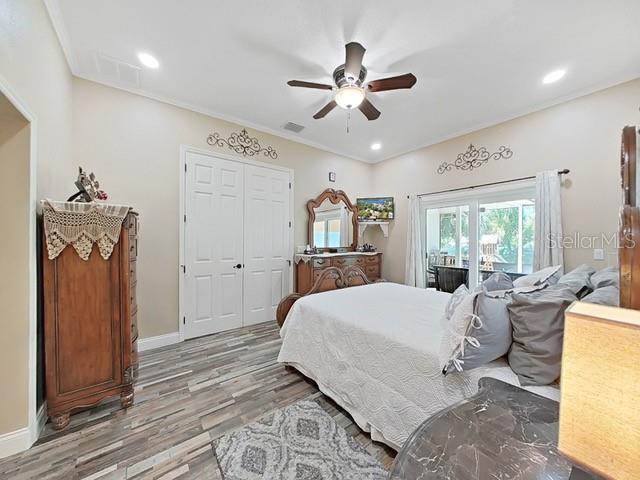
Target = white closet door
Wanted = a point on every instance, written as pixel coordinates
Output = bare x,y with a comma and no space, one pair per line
266,242
213,245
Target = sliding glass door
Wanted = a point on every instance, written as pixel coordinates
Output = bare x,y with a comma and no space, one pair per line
469,235
449,232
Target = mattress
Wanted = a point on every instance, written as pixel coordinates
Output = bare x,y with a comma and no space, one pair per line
374,350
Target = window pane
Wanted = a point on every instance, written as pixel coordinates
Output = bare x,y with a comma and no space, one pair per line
334,233
528,229
319,234
505,240
448,234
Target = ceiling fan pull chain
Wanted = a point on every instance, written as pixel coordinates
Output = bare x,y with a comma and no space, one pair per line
348,119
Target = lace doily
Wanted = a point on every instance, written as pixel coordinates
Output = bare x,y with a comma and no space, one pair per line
82,225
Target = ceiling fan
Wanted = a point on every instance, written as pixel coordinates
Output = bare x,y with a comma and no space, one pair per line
350,90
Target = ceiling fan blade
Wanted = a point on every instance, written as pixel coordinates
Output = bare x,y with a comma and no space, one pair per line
300,83
407,80
369,110
353,60
326,109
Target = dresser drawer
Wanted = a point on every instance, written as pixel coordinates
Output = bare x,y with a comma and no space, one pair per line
372,260
372,271
346,261
321,262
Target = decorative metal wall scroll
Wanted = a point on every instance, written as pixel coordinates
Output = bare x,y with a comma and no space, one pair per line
242,143
474,158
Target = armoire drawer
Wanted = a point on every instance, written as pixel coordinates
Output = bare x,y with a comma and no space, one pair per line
132,272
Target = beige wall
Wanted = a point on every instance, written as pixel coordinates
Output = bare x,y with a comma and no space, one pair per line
33,68
14,258
132,144
582,135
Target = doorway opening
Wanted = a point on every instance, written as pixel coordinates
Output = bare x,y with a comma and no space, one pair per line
18,279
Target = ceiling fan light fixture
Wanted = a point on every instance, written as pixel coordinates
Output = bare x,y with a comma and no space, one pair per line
349,96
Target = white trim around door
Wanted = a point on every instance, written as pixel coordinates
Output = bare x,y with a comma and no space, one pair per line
19,438
184,217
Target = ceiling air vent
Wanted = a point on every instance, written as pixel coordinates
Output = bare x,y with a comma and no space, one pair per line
116,71
293,127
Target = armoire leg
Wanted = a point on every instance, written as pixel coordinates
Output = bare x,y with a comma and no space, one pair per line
60,421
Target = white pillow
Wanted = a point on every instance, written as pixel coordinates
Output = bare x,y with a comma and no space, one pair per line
457,296
538,278
454,335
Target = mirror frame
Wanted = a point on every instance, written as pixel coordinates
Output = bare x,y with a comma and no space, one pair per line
335,197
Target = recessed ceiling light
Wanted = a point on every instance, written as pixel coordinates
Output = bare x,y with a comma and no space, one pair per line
376,146
554,76
148,60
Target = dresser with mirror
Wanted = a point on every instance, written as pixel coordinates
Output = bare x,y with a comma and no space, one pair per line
333,232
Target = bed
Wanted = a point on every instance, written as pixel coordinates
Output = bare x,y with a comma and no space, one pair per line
374,349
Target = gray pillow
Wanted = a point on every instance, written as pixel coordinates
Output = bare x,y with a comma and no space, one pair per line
537,320
548,275
609,295
606,277
492,333
497,281
578,280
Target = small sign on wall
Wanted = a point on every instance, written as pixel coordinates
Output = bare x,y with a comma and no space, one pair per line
332,176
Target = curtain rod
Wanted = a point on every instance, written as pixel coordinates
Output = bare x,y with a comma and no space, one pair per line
560,172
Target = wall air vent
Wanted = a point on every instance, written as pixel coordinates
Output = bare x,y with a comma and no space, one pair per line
293,127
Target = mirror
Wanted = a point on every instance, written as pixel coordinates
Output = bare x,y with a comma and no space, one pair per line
332,221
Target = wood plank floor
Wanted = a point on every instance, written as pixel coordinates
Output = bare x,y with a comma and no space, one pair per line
186,396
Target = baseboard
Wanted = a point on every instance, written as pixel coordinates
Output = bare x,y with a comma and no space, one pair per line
14,442
159,341
41,420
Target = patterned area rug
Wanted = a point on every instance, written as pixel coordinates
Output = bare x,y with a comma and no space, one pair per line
298,442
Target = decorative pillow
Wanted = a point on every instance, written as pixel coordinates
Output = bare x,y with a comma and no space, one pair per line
457,296
489,334
606,277
609,295
537,320
497,281
578,280
546,275
454,336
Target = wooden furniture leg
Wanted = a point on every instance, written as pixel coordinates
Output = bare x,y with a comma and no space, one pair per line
60,420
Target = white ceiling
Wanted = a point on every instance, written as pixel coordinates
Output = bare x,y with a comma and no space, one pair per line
477,62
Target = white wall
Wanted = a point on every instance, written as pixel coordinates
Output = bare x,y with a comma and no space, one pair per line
33,69
132,144
582,135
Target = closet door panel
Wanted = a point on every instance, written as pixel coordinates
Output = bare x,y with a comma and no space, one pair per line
266,242
213,244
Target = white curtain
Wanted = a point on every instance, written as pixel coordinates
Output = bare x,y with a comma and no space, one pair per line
414,270
547,250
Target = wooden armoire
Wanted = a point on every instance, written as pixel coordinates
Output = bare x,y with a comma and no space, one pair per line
90,327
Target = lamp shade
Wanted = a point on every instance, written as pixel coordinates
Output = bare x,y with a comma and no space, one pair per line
349,96
600,390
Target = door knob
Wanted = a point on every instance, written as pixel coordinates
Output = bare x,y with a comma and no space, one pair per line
239,265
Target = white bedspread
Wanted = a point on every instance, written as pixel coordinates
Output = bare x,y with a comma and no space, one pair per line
374,350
